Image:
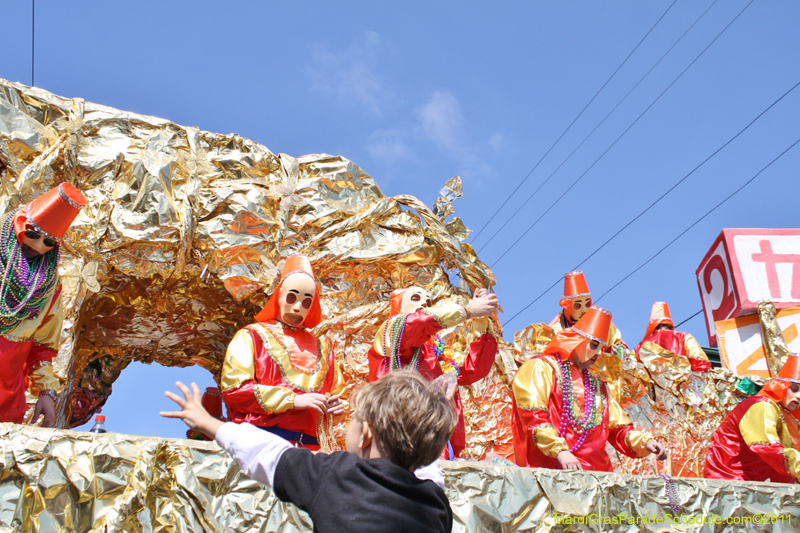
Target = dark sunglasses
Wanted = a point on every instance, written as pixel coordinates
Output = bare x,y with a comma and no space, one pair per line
48,241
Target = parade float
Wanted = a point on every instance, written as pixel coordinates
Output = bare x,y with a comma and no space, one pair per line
181,241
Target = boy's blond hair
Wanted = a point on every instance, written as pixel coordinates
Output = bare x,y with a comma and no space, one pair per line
410,418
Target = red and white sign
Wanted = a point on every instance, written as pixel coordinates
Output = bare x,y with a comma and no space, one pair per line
741,347
744,266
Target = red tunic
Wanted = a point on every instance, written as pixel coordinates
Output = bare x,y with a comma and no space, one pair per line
17,360
675,342
767,448
25,356
285,364
419,331
536,419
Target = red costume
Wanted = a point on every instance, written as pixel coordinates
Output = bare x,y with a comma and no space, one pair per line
758,440
269,363
413,337
31,313
541,431
677,342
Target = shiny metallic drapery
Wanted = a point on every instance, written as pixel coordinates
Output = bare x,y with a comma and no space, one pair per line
775,349
57,480
185,232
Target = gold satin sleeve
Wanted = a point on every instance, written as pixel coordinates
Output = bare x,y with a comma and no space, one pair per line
693,348
635,439
532,386
42,378
762,424
43,329
275,400
239,367
239,364
446,313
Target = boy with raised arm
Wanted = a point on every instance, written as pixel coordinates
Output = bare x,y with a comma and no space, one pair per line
400,423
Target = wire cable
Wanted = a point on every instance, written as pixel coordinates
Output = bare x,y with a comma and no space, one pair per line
696,222
665,247
648,208
688,319
576,267
596,127
33,38
573,122
620,137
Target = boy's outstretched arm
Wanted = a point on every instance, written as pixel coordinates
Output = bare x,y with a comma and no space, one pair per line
192,411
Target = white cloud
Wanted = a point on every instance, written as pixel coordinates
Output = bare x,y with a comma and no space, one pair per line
441,121
389,145
350,75
496,142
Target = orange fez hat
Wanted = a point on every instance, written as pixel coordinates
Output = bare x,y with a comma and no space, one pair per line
659,314
594,325
51,213
295,264
776,388
574,287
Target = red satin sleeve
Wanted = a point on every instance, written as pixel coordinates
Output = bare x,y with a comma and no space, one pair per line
616,437
243,399
773,455
699,365
479,361
420,327
38,354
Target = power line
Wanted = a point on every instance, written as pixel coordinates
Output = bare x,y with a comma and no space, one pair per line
573,122
688,319
700,219
621,135
33,38
640,214
634,219
596,127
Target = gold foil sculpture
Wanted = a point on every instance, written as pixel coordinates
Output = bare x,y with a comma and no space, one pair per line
185,232
775,349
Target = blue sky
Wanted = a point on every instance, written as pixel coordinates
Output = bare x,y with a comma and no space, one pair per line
416,92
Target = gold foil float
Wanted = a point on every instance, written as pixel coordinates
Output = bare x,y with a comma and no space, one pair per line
185,233
57,480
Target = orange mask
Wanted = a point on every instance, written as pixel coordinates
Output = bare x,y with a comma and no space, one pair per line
409,300
775,389
290,299
593,326
574,287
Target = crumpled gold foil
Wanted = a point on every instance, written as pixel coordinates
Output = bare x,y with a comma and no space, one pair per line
775,349
185,233
57,480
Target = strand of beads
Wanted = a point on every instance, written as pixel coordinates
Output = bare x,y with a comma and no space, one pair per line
586,425
23,291
446,358
392,340
672,494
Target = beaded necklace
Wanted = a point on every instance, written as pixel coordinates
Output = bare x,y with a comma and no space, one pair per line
446,358
24,285
392,338
583,426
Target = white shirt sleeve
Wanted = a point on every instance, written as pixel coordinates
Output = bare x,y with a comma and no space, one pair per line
256,451
431,472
